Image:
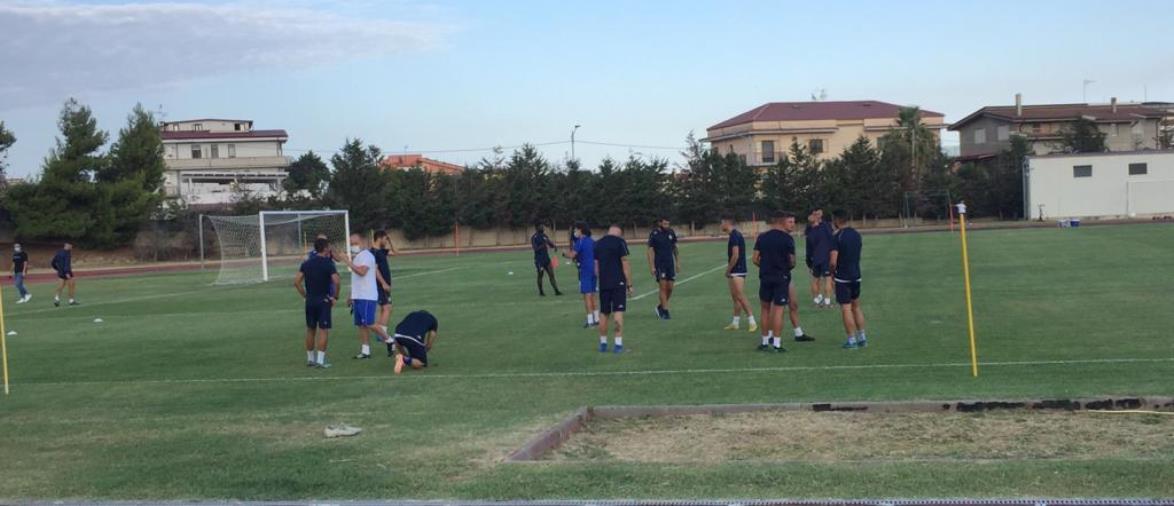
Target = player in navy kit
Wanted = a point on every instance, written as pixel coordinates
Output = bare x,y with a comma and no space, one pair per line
736,274
414,337
615,284
317,281
845,266
665,262
774,254
818,238
541,244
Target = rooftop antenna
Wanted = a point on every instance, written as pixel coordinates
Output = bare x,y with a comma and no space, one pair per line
819,95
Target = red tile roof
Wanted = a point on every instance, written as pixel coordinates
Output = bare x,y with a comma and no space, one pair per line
203,134
808,111
1063,112
410,161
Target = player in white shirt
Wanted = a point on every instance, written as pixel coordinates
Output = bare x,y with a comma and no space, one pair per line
364,299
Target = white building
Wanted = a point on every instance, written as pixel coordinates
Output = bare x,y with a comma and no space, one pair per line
215,161
1100,185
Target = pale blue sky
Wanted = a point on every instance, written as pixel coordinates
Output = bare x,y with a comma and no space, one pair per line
452,75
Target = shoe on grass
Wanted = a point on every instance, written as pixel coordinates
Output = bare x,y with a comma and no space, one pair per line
342,430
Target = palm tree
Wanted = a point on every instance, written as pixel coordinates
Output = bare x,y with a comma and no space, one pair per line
913,133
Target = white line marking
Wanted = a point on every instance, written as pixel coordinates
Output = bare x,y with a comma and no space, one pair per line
681,282
118,301
438,271
653,372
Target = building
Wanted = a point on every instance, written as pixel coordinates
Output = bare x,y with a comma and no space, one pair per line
987,131
763,135
1102,185
212,162
416,161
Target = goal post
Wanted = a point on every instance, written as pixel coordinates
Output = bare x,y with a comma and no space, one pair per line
256,248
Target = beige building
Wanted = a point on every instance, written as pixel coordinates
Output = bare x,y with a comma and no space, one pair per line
987,131
762,135
210,162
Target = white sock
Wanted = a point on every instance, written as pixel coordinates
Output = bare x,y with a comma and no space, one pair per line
619,341
309,356
798,331
750,320
590,318
819,299
777,342
366,349
321,357
736,321
71,301
597,315
57,298
766,337
851,339
602,339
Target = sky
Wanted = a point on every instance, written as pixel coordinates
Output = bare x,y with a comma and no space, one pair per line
455,78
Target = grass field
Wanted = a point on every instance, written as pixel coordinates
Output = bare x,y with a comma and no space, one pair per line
192,391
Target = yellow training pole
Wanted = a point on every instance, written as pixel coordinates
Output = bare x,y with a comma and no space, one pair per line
3,343
966,280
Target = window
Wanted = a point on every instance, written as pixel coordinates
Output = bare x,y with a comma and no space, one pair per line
232,150
196,151
1036,128
768,151
1138,169
197,126
236,126
215,151
815,146
980,136
1082,171
1003,132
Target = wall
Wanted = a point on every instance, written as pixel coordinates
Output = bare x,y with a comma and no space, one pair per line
1110,192
244,149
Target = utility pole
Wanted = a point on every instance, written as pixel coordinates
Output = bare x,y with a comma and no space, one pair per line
573,141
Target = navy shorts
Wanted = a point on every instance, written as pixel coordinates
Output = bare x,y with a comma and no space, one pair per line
412,348
318,314
847,291
65,274
613,300
775,291
666,272
542,263
587,282
384,296
364,312
820,270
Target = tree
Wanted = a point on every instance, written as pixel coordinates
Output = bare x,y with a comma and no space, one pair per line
62,205
7,139
1082,136
1164,140
127,187
308,173
360,185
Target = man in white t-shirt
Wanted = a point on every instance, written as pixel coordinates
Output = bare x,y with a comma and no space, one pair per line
364,299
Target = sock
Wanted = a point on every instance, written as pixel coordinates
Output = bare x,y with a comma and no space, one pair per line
777,342
765,340
597,315
798,331
851,339
819,299
602,339
71,301
619,341
750,319
309,356
860,335
321,357
590,318
366,349
57,298
736,321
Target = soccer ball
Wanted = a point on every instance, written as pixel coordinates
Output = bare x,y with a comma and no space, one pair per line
511,273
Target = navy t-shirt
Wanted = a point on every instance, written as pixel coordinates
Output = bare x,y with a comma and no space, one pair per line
737,240
819,242
775,248
417,324
62,261
381,263
19,259
540,243
662,242
318,271
848,243
610,252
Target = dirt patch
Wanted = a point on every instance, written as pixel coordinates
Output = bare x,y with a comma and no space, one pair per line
844,436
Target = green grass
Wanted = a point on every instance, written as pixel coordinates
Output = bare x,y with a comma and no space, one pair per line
193,391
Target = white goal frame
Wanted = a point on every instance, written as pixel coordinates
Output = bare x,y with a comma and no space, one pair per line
346,219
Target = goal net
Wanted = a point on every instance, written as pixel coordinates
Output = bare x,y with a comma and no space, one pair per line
272,244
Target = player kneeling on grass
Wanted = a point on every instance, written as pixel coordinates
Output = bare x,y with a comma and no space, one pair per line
414,337
845,266
318,282
614,273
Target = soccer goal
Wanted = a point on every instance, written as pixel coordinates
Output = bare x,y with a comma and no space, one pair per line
256,248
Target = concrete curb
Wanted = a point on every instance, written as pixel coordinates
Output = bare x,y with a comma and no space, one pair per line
555,436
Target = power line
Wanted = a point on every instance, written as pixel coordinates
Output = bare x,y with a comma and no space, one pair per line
511,147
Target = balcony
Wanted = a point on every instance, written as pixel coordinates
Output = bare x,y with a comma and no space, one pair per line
260,162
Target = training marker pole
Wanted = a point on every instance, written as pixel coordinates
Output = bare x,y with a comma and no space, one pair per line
3,343
966,281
